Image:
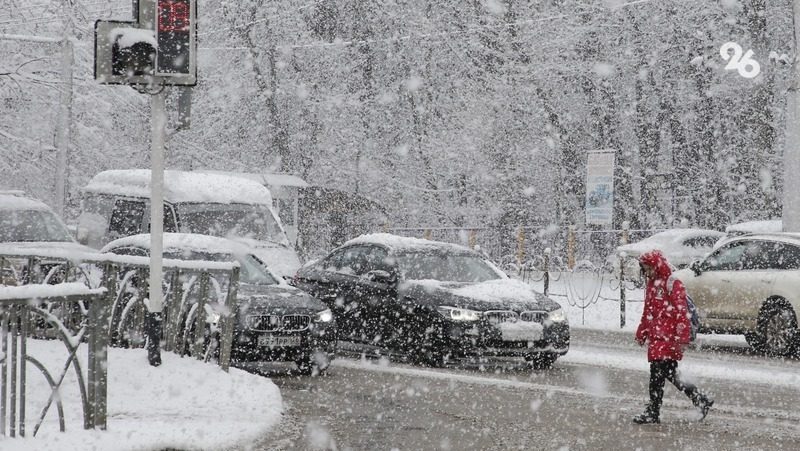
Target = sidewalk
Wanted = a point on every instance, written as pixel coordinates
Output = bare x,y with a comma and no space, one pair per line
183,404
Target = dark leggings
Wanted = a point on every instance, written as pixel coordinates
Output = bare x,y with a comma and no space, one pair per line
667,370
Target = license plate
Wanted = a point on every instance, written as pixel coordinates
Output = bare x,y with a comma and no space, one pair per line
521,331
277,341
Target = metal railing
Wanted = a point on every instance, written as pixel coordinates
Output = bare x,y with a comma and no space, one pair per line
109,311
17,328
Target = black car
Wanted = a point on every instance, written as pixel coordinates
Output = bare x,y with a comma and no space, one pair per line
433,301
275,321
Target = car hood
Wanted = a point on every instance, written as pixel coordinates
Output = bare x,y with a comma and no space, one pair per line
280,258
282,299
498,294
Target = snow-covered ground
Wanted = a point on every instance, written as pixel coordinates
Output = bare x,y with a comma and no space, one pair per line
183,404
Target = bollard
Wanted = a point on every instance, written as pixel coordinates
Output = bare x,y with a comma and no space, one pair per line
546,270
472,238
622,292
571,247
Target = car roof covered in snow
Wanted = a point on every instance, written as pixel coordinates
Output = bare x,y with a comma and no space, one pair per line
790,237
182,186
671,236
771,225
18,202
404,243
177,242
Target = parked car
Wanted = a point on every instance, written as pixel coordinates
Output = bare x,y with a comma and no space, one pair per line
274,321
680,246
116,203
750,285
434,301
29,225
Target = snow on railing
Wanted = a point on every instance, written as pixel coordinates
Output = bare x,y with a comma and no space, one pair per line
23,316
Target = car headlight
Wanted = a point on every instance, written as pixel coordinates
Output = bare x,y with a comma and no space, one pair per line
459,314
324,316
557,316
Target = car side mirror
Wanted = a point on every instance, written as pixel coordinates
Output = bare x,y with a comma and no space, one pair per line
381,276
696,267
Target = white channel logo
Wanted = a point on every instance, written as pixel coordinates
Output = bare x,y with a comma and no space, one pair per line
744,64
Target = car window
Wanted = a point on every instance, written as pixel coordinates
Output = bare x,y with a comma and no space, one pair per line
130,250
378,259
355,260
726,258
445,267
701,241
126,219
333,261
755,255
170,224
782,256
32,226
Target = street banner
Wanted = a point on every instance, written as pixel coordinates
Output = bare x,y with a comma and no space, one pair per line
600,187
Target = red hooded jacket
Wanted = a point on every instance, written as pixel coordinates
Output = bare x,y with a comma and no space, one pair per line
665,318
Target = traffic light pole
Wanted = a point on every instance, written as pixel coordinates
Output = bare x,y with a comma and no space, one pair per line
791,148
153,324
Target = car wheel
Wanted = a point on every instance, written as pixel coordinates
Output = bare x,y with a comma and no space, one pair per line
756,341
542,360
778,327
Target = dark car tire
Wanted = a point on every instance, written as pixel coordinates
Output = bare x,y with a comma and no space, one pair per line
777,324
307,367
542,360
756,341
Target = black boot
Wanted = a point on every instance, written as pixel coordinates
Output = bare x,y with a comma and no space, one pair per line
704,403
648,417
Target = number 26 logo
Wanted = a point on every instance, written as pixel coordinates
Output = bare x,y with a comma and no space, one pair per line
744,64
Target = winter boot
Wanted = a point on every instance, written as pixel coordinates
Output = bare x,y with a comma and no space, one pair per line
704,403
648,417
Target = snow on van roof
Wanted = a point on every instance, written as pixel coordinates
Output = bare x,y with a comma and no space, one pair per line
18,202
265,178
182,186
405,242
182,241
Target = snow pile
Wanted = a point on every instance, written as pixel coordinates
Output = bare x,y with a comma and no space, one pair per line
183,404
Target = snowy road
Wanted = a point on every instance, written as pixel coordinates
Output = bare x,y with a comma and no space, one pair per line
584,402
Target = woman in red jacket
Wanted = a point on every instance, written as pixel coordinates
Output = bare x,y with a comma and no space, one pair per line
665,328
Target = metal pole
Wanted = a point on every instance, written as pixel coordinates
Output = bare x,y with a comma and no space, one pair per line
791,152
64,122
622,292
153,320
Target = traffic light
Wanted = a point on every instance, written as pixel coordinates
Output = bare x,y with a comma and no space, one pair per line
133,52
159,47
174,36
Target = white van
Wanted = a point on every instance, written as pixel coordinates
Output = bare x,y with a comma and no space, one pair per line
116,203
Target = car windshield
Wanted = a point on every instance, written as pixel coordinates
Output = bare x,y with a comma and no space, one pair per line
32,226
444,267
252,269
230,220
